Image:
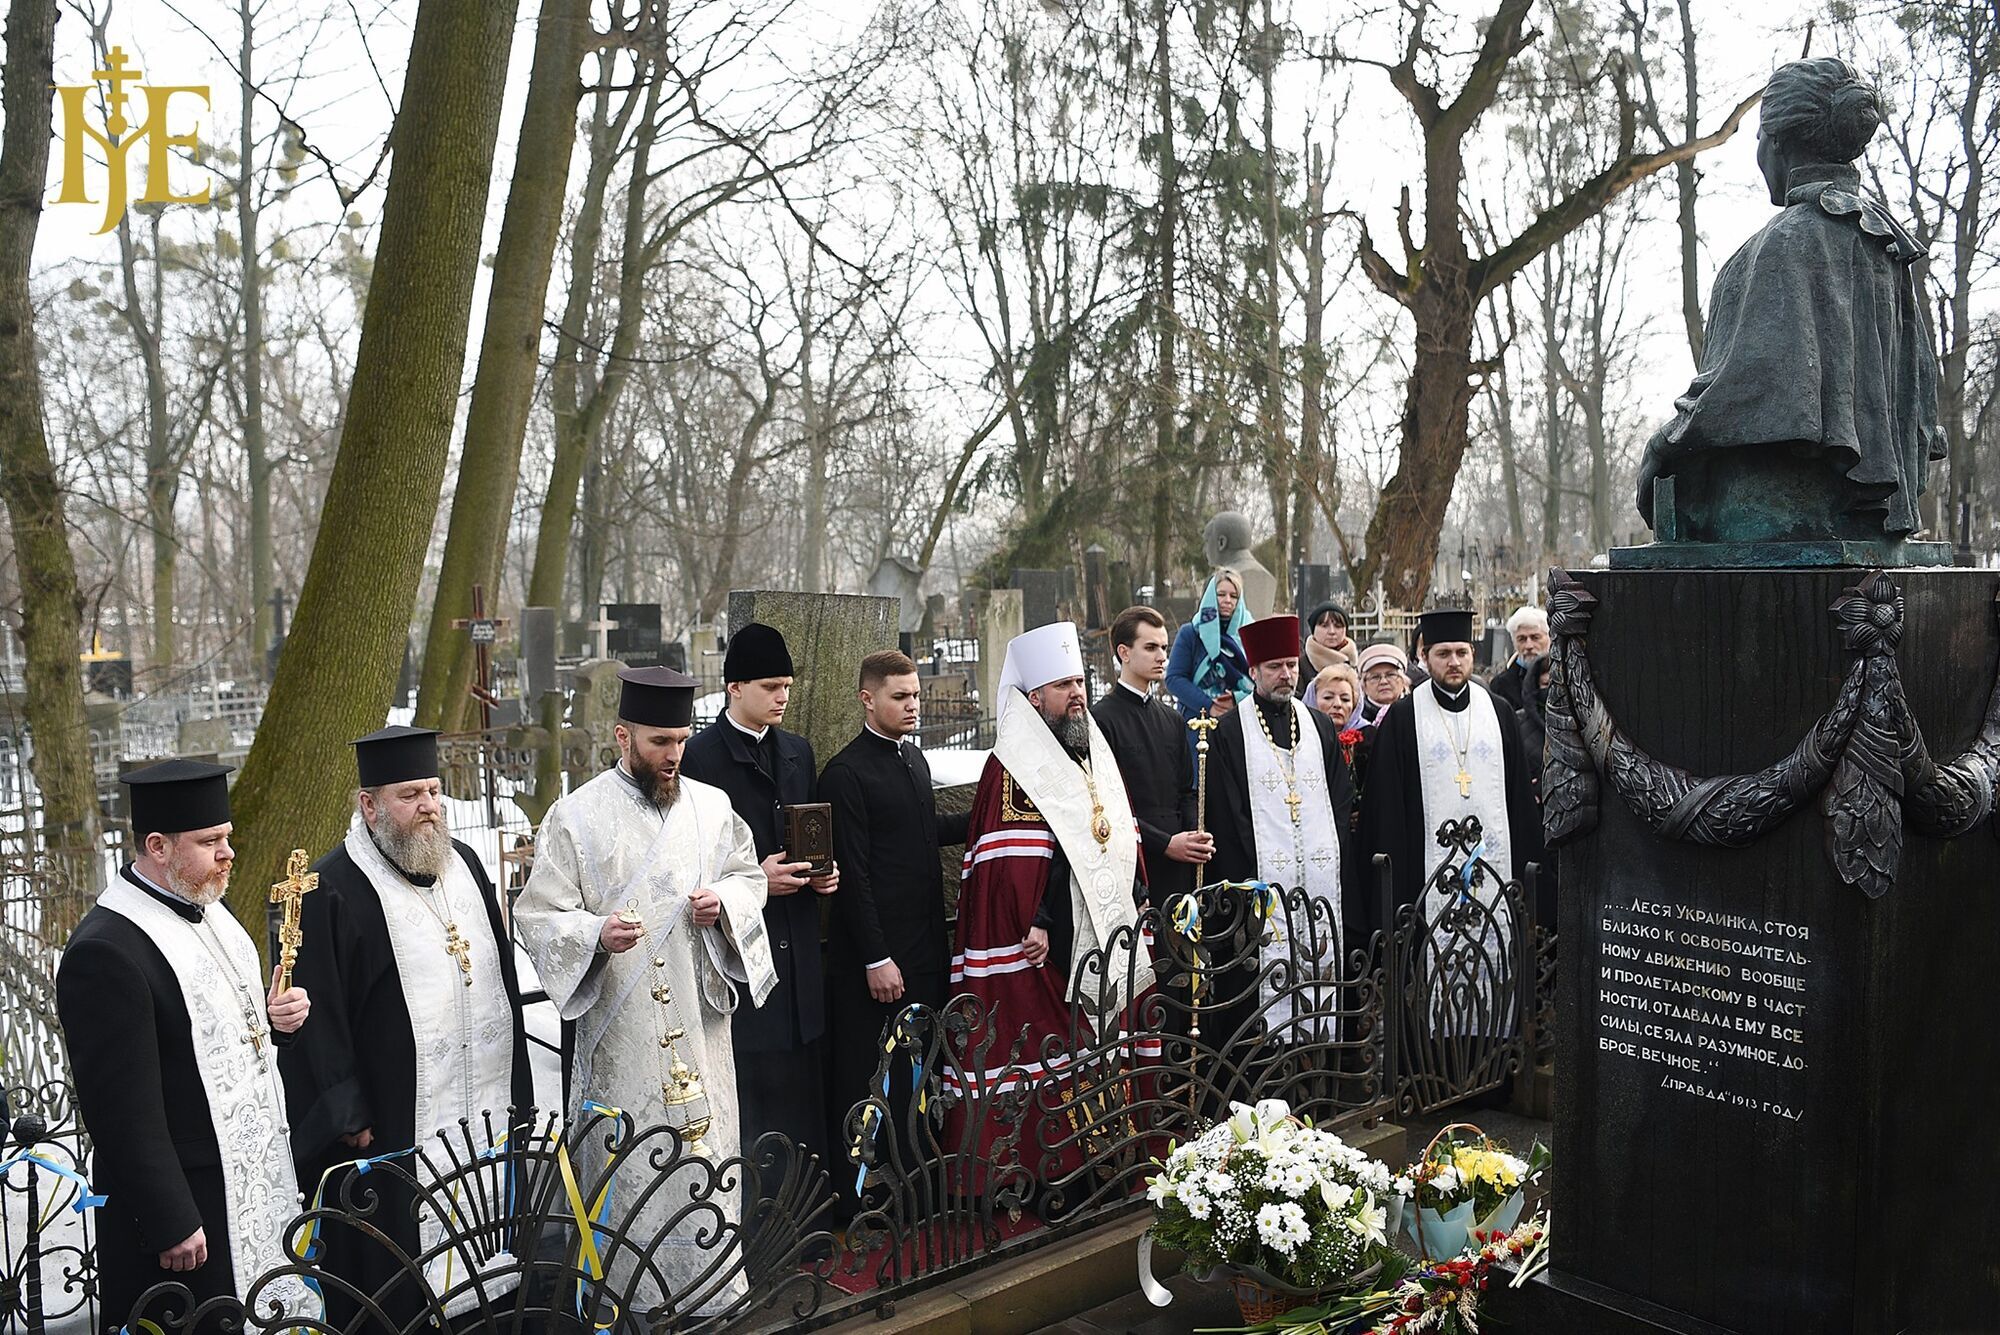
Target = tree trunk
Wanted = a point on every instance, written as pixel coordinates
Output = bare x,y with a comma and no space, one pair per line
503,390
579,419
338,675
1685,188
163,482
1166,406
1279,473
51,606
256,461
1312,357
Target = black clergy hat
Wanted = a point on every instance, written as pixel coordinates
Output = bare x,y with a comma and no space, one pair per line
396,754
1445,626
656,697
175,796
755,653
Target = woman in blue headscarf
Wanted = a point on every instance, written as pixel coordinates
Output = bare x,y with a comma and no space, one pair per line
1207,668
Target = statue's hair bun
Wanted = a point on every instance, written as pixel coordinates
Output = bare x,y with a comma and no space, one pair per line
1825,106
1854,113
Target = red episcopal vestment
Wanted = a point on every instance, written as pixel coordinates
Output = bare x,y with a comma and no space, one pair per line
1011,851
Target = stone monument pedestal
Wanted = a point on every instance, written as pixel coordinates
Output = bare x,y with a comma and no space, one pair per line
1775,1094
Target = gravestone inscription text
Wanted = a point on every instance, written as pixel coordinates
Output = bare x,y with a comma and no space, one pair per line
1706,1005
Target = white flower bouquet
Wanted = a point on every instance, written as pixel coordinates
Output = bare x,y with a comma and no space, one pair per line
1468,1191
1287,1213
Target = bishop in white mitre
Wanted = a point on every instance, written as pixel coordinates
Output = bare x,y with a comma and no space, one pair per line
170,1035
644,917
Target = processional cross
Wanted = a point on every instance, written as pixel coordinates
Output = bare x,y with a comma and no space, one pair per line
298,881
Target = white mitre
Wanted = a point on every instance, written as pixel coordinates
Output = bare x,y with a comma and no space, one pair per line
1042,655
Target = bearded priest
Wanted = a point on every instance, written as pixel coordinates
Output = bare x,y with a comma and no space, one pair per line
644,915
419,1026
1282,799
1049,893
170,1041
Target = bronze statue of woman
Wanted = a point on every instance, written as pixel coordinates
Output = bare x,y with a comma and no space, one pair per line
1815,413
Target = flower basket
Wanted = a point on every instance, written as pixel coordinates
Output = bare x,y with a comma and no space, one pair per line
1467,1191
1260,1297
1286,1215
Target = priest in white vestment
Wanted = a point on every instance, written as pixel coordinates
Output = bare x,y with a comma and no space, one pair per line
1280,806
170,1031
1448,751
644,917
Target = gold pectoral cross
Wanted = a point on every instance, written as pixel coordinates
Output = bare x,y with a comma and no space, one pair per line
1464,782
255,1038
1293,800
460,949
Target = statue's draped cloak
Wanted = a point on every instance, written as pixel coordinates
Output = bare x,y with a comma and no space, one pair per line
1816,334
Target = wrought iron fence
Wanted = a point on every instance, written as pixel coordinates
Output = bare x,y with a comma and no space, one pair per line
972,1145
48,1261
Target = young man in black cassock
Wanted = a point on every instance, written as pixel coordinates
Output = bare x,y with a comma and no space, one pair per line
780,1052
1149,739
170,1036
419,1026
889,948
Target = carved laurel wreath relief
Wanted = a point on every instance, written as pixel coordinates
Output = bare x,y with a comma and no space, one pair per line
1865,757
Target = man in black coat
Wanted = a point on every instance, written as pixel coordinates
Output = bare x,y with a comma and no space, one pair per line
1529,629
780,1055
156,954
1150,741
889,948
391,953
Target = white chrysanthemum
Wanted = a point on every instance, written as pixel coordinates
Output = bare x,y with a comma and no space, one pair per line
1274,1230
1297,1179
1217,1183
1446,1180
1196,1204
1403,1186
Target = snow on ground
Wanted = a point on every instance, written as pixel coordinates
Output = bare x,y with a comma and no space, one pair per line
954,765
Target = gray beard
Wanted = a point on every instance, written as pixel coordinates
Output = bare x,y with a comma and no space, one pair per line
420,851
1073,731
1279,695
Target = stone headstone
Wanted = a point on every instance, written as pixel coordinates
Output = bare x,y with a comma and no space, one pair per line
674,654
588,747
538,651
933,618
637,637
1771,1085
828,635
1226,540
704,652
1118,578
1041,596
1313,585
203,737
1097,608
899,576
994,617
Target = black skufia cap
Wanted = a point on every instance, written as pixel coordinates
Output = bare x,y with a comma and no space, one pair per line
656,697
396,754
175,796
1445,626
755,653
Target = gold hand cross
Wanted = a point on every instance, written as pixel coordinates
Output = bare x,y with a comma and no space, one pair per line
298,881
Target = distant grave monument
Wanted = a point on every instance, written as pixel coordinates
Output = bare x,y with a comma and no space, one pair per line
1227,542
1041,596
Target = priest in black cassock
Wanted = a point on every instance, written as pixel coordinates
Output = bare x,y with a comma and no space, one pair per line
780,1047
889,948
170,1035
419,1027
1149,738
1448,750
1279,803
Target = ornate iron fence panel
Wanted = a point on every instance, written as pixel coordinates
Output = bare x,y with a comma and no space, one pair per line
974,1145
1462,972
48,1263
